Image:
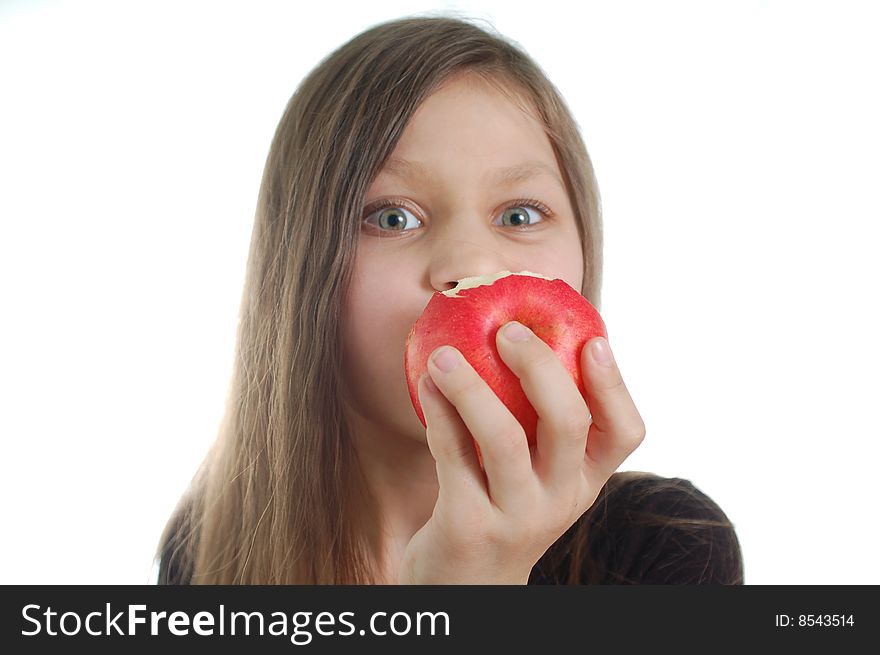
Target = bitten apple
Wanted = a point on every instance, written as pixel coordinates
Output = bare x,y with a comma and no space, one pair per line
468,317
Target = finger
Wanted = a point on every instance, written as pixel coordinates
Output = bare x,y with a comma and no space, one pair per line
459,474
617,428
503,445
563,416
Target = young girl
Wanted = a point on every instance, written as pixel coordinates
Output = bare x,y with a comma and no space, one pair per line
423,151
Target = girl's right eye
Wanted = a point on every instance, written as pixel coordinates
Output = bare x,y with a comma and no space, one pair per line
391,217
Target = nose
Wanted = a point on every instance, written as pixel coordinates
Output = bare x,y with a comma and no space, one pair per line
465,251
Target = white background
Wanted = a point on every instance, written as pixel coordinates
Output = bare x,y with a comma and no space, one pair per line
736,148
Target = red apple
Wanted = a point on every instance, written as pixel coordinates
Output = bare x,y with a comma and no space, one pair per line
468,317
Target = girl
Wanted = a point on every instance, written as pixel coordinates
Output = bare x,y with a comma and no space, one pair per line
423,151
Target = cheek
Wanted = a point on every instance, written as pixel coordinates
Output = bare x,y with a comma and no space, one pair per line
364,317
563,258
375,327
378,320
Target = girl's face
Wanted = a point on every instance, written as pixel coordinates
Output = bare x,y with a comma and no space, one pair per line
463,194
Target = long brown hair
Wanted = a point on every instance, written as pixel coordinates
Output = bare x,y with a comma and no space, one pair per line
271,503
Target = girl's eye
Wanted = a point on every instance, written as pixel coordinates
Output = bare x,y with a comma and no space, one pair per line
393,218
519,215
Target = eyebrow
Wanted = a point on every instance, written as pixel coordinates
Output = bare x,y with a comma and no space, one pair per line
509,175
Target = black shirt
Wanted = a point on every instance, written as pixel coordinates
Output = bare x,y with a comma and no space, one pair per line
646,529
642,529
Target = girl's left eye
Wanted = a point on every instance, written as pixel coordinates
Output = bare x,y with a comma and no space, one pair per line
393,216
514,216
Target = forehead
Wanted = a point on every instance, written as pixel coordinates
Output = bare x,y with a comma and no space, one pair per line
505,176
469,122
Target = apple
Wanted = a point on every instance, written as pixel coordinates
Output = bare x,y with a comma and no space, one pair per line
469,315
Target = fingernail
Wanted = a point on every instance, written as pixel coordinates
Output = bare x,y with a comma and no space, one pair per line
514,331
446,359
601,352
429,383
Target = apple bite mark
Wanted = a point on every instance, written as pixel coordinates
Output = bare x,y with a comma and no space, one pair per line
468,316
479,280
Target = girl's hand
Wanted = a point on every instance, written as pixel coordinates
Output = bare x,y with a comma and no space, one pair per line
493,528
